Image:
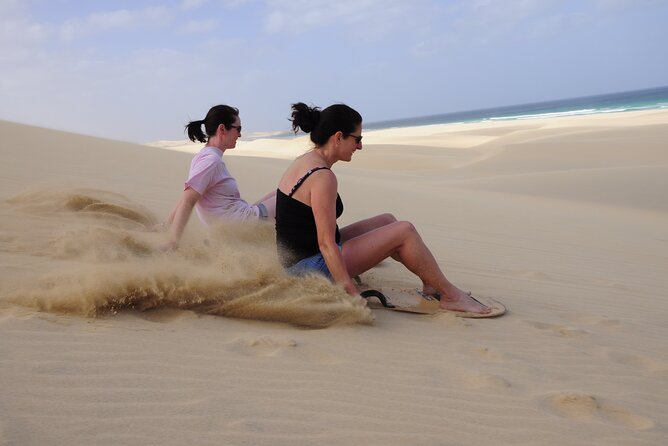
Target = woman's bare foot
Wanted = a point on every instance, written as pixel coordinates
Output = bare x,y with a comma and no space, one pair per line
462,301
428,290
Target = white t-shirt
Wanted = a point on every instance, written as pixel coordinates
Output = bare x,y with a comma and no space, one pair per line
220,195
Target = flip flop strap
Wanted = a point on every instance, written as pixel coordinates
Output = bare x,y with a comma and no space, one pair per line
378,295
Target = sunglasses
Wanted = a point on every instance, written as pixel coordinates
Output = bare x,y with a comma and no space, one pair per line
358,139
238,127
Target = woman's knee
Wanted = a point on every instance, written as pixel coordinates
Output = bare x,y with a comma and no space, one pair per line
387,218
404,228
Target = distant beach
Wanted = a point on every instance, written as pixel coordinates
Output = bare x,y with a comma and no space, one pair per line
646,99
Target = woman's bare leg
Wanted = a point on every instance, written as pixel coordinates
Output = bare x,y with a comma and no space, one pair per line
370,224
401,239
363,226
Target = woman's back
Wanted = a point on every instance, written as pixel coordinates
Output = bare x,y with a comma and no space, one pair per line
296,230
295,172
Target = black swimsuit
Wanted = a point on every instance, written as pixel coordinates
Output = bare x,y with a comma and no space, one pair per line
296,231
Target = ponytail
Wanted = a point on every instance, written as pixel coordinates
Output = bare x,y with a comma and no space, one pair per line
194,130
322,124
304,117
219,114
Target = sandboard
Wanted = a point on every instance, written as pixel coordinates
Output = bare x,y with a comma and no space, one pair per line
411,301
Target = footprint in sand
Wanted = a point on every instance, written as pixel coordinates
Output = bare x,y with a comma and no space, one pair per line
557,329
638,361
588,408
612,284
475,380
263,346
6,238
592,320
535,275
489,354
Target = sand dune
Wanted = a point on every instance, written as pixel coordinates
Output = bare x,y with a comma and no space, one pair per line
106,340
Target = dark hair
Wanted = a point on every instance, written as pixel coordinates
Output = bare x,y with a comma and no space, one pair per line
219,114
322,124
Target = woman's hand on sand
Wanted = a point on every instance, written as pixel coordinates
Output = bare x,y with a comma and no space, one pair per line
170,246
351,289
159,227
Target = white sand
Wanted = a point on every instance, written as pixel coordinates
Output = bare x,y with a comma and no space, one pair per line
564,220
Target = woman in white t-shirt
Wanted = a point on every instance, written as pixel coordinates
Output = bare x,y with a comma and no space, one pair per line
210,189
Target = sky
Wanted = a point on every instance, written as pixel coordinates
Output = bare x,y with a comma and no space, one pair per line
139,70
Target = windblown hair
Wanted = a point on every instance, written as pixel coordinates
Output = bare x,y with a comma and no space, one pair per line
321,124
219,114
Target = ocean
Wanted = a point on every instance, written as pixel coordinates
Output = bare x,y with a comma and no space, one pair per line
647,99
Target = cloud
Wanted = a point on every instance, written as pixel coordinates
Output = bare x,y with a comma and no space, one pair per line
21,38
21,32
483,21
612,5
192,4
119,96
236,3
198,26
113,20
490,23
299,16
16,26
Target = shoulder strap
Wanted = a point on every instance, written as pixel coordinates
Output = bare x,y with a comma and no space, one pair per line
303,178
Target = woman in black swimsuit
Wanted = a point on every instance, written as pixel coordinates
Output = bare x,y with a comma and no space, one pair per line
307,206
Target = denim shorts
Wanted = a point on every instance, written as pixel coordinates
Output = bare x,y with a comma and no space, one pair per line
314,264
264,214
